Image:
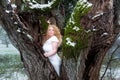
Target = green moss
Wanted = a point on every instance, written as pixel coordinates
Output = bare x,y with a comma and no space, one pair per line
75,32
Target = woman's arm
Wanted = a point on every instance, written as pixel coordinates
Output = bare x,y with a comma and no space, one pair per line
54,49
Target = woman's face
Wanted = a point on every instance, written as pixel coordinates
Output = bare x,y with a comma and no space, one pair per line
51,31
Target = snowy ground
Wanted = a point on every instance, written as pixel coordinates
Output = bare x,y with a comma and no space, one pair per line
15,75
10,50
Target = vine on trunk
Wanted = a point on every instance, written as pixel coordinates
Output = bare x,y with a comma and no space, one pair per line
75,36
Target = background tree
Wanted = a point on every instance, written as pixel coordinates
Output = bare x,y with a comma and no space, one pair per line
25,26
3,37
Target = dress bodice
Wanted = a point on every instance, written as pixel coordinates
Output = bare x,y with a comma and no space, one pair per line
54,59
47,46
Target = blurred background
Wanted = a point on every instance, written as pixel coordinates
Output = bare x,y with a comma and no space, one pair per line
11,67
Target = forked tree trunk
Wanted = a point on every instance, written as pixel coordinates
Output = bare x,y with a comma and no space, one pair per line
90,59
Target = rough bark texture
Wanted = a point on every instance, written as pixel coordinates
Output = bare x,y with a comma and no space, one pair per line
26,36
117,16
100,41
37,66
31,54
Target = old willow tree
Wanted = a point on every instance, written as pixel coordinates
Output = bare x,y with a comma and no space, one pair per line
88,32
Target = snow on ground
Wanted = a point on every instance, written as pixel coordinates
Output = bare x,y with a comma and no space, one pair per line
10,50
15,75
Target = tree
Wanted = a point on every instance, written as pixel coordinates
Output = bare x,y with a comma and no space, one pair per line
25,26
4,37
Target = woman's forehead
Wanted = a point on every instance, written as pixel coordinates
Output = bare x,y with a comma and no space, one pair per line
50,27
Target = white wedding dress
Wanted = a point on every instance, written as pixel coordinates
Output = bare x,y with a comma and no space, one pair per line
54,59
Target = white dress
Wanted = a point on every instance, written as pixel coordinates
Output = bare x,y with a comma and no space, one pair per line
54,59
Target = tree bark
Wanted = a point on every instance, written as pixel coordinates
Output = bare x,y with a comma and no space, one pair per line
27,33
100,19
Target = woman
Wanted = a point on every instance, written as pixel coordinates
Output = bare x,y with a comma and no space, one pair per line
51,42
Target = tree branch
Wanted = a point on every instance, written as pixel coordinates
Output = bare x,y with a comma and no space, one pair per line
109,62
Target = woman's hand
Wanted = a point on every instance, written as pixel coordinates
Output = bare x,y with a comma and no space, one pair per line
54,50
46,54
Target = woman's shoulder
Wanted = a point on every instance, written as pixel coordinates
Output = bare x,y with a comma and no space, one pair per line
54,38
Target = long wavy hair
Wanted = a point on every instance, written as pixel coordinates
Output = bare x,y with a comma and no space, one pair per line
56,31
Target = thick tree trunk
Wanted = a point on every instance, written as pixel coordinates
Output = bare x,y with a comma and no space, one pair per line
29,53
117,16
37,66
99,19
24,31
